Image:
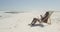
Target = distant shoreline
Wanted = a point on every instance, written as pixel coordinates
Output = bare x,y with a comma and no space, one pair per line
12,12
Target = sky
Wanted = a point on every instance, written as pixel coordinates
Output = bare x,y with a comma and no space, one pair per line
29,5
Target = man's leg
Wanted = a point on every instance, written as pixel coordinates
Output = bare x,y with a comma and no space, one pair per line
34,21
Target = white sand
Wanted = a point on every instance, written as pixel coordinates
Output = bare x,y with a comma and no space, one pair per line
19,23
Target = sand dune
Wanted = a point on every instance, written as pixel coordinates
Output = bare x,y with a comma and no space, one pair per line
19,23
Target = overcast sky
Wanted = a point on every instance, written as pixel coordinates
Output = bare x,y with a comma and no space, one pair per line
29,5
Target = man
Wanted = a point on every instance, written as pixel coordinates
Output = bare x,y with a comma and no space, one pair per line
43,19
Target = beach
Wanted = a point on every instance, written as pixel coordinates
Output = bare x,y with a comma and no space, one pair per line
20,22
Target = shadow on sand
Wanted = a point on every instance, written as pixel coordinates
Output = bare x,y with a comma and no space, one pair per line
41,25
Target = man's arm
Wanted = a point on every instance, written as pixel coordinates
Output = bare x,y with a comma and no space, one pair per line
41,16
